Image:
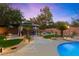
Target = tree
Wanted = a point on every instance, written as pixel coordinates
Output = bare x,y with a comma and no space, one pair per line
15,18
44,18
75,20
75,23
3,9
9,16
28,26
46,13
61,26
42,26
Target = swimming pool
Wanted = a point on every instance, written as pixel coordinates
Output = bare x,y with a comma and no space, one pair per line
68,48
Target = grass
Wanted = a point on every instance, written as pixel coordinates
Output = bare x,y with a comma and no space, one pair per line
8,43
51,35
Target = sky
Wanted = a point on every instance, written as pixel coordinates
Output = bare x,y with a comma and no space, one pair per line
60,11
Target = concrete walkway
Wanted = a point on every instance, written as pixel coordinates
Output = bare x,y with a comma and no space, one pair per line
39,47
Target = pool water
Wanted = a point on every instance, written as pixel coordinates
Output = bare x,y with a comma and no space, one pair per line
68,48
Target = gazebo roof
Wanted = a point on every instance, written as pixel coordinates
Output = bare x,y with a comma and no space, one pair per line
35,25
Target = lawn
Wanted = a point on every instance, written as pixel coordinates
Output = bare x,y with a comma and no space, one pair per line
8,43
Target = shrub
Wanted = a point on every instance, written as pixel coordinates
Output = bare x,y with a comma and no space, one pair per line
51,35
28,37
48,36
2,38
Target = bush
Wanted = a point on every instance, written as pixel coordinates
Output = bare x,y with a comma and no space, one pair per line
51,35
28,37
48,36
56,35
2,38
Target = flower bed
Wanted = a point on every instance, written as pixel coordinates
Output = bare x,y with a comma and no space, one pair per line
8,43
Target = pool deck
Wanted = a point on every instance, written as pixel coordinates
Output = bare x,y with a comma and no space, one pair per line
39,47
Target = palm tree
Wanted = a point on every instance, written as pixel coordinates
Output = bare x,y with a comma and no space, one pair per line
61,26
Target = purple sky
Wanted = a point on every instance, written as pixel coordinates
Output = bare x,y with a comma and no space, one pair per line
61,12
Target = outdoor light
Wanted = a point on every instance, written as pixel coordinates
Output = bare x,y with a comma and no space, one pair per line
68,27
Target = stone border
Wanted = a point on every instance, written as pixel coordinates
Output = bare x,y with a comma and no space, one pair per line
64,38
14,48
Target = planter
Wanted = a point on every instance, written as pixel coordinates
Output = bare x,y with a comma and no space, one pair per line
3,30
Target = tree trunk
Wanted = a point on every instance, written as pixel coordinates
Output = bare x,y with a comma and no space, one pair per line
62,33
